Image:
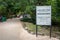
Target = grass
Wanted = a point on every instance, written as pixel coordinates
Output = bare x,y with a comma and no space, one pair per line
31,27
42,30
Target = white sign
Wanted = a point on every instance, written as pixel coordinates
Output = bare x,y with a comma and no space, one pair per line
43,15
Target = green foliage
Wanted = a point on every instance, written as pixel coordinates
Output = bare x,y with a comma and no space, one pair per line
9,7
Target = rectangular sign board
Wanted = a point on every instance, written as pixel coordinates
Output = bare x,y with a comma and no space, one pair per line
43,15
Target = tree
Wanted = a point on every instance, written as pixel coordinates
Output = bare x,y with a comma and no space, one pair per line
2,8
58,11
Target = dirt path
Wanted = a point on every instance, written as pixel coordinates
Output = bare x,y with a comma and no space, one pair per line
13,30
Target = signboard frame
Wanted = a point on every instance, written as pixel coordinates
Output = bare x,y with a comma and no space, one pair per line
42,25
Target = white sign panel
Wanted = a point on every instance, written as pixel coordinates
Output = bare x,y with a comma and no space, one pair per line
43,15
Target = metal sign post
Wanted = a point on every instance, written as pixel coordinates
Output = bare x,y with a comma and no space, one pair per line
43,17
36,30
50,31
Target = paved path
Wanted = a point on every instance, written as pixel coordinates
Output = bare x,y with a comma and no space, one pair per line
12,29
